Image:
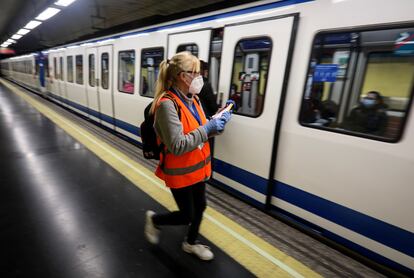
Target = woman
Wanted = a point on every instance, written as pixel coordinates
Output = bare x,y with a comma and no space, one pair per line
185,160
370,116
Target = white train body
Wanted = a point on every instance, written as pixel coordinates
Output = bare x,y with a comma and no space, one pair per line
353,188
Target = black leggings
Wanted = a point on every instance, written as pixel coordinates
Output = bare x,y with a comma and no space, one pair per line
191,201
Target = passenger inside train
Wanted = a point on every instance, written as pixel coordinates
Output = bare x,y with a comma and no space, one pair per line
128,85
370,116
317,111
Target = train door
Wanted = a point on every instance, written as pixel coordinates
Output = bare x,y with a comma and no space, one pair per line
92,84
104,85
252,74
197,42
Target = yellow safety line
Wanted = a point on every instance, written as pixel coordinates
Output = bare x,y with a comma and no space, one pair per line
255,254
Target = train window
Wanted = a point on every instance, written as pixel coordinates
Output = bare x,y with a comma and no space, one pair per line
55,68
61,68
91,67
126,71
105,70
249,78
46,61
37,68
215,60
79,69
360,83
29,66
150,61
69,61
192,47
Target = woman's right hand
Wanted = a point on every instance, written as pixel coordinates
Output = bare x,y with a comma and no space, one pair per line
216,125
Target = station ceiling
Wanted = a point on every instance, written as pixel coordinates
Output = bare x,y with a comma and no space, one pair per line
86,19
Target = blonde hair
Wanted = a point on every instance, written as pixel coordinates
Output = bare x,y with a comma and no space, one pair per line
169,71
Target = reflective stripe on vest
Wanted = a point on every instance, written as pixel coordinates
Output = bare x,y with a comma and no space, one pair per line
186,170
191,167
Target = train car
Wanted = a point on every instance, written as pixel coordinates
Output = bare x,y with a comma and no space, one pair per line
323,131
21,69
29,70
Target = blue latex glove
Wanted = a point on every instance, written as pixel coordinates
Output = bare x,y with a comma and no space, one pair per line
217,125
214,125
226,116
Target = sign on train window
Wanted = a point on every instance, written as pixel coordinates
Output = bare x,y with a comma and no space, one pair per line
91,59
79,69
360,82
69,60
249,78
105,70
126,71
150,62
192,48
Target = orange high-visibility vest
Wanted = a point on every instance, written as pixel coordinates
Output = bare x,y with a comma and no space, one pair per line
189,168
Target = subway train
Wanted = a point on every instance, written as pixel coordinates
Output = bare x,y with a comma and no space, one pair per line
322,133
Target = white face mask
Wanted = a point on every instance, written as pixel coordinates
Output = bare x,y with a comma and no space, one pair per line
196,85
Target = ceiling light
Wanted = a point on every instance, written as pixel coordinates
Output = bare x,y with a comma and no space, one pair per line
32,24
22,32
4,45
16,37
11,41
64,3
48,13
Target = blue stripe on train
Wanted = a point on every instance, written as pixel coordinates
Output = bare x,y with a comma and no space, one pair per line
319,230
110,120
380,231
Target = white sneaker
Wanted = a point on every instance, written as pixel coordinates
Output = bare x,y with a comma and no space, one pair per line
152,234
201,251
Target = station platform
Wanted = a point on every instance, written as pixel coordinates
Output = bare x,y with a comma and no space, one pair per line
73,201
